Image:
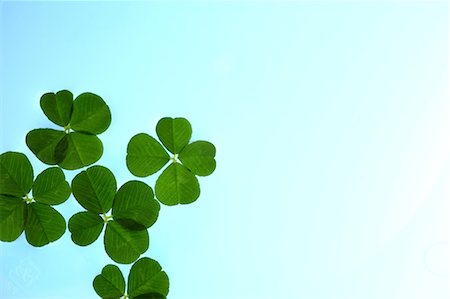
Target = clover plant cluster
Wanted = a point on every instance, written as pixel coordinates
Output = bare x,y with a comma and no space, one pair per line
124,214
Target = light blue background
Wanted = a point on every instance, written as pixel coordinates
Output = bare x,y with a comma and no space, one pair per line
331,122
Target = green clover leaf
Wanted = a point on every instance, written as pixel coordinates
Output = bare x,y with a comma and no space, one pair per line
19,211
110,283
43,143
174,133
146,276
85,227
76,150
44,224
50,187
177,184
12,218
16,174
82,119
58,107
146,280
125,245
90,114
94,189
134,209
198,157
145,155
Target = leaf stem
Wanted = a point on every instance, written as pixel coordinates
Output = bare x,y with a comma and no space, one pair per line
67,129
28,199
174,159
107,217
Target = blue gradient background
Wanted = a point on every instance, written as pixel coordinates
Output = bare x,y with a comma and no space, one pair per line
331,122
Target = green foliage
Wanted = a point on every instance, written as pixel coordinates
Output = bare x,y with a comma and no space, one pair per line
58,107
50,187
110,283
85,227
125,245
146,280
90,114
145,155
198,157
174,133
19,211
43,225
94,189
76,150
134,209
82,119
26,204
12,218
43,143
16,174
178,183
129,202
147,276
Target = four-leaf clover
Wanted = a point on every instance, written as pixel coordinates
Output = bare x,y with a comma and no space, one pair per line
178,183
19,210
134,209
82,119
